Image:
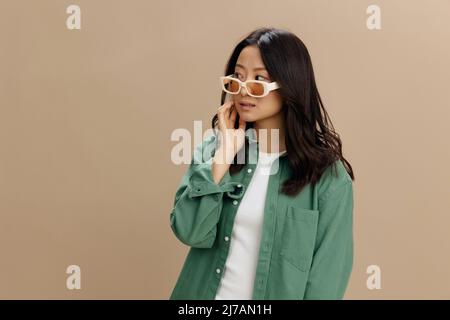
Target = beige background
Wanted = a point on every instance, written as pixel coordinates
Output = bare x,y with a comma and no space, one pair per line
86,117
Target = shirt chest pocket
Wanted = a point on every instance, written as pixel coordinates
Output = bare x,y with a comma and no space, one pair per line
298,236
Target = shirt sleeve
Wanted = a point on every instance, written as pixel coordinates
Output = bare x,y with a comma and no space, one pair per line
333,257
198,200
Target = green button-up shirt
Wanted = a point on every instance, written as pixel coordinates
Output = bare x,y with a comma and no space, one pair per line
306,248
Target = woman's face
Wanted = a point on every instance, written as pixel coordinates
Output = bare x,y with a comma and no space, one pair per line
250,66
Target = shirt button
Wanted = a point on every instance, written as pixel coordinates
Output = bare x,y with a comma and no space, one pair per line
218,270
249,170
226,238
235,202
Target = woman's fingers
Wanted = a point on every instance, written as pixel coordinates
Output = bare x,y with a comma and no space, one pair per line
225,106
221,120
224,114
227,114
241,124
233,116
228,111
221,116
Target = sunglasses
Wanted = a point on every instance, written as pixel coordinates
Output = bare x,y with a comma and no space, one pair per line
254,88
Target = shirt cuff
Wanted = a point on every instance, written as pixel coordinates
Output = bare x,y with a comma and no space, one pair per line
201,181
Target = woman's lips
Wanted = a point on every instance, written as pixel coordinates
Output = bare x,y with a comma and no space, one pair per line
246,106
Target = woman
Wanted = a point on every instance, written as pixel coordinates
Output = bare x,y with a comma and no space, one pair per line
282,234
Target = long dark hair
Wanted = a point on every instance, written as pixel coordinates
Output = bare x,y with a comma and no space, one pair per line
311,141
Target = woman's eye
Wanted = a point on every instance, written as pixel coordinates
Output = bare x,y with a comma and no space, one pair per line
258,77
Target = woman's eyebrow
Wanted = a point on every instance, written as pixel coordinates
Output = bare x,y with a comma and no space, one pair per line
241,66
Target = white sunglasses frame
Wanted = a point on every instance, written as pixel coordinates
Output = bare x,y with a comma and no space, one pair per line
267,86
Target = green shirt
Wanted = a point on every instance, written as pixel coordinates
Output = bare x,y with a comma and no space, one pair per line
306,248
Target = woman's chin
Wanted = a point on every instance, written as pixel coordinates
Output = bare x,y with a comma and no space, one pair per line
246,117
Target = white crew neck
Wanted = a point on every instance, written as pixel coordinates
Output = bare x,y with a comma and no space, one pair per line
265,159
269,154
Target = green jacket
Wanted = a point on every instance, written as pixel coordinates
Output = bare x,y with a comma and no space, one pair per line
306,249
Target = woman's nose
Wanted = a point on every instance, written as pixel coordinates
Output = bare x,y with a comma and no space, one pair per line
243,89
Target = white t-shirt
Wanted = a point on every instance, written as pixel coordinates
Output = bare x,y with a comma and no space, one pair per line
240,268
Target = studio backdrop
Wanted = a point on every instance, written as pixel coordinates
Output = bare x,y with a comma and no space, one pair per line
92,91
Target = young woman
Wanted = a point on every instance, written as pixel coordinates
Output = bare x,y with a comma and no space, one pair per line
280,227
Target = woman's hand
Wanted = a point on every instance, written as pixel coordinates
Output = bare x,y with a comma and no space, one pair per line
232,139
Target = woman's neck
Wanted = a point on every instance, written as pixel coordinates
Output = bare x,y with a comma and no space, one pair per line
270,134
